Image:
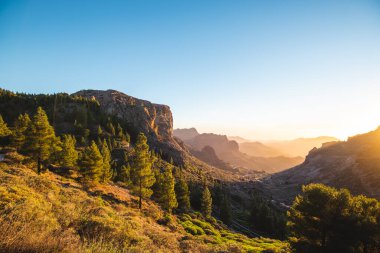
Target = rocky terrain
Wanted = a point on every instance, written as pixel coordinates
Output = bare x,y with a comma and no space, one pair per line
351,164
154,120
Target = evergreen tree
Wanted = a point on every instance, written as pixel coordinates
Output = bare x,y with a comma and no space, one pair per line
68,155
319,218
106,154
125,174
40,137
119,132
111,129
142,175
127,137
4,130
166,193
92,163
21,124
206,202
182,193
99,131
225,210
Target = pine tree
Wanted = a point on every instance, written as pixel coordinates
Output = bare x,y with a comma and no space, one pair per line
206,202
106,154
166,193
92,163
99,131
225,210
127,137
40,137
119,132
111,128
182,193
141,173
125,174
68,155
21,124
4,130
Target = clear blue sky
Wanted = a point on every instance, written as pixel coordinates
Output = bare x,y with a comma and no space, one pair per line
260,69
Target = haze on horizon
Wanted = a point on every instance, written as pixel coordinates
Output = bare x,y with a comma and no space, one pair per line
257,69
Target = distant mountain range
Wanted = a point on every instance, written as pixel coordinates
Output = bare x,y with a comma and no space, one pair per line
352,164
289,148
229,151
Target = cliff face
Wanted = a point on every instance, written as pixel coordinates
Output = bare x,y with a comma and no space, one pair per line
154,120
140,115
353,164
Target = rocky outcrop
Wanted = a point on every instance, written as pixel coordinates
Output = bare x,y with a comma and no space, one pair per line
208,155
185,133
140,115
154,120
219,143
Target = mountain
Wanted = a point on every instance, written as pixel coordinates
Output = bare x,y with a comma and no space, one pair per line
238,139
300,146
259,149
154,120
228,151
185,133
208,155
83,113
353,164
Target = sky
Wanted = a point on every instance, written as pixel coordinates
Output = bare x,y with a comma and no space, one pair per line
262,70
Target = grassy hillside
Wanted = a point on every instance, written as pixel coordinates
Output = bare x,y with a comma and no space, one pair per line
51,213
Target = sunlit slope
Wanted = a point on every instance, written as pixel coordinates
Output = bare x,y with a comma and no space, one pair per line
50,213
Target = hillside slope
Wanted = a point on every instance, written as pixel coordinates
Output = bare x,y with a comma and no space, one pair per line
51,213
352,164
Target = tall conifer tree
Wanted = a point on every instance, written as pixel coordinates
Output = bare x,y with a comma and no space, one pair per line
21,124
206,202
106,171
4,130
92,163
68,155
40,137
142,175
182,193
166,193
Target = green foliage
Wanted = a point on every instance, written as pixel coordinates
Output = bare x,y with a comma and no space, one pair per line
41,141
125,174
4,130
216,233
142,176
92,163
21,124
265,219
111,128
324,219
225,210
165,186
106,171
206,202
68,155
182,193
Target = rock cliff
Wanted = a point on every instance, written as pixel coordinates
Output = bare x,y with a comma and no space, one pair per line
154,120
